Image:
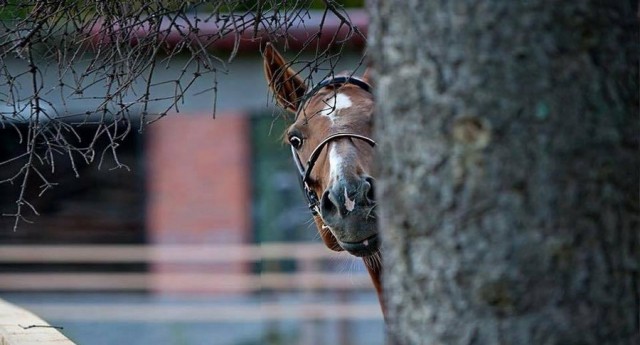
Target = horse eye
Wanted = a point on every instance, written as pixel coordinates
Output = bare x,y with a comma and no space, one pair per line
295,141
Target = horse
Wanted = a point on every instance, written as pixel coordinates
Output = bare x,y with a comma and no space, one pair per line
331,132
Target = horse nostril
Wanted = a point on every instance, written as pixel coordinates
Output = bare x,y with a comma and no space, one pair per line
368,190
327,206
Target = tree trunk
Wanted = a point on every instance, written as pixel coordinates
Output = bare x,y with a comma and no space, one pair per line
509,183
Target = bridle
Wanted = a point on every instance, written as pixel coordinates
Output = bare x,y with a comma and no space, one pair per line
305,172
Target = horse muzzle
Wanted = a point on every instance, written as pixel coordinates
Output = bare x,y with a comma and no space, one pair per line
348,209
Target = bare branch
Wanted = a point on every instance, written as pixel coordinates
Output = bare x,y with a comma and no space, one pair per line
117,48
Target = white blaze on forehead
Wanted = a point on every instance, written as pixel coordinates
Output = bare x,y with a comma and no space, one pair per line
339,102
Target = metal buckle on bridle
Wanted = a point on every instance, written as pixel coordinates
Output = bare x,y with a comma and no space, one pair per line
305,172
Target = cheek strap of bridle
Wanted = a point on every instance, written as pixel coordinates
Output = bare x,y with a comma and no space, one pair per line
305,172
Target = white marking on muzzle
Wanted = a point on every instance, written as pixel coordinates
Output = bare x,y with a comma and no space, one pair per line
348,203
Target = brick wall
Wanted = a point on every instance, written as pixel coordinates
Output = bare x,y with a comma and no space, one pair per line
198,183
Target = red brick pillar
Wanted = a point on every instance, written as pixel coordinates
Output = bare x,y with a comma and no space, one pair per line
198,189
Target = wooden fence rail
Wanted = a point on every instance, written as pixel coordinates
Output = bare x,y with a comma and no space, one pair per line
124,253
178,268
192,276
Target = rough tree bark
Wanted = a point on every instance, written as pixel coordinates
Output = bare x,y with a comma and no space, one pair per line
509,188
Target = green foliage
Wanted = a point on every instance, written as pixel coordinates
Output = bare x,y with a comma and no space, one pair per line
15,9
320,4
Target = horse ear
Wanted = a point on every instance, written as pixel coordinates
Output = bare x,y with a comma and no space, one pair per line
367,76
283,81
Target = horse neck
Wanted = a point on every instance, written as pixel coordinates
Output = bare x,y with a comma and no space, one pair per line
375,272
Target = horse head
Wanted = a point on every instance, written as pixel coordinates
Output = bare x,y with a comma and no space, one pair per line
331,145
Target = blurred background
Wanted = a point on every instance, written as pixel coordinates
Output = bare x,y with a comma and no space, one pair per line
198,234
